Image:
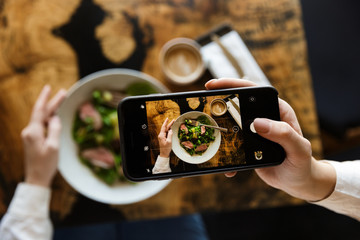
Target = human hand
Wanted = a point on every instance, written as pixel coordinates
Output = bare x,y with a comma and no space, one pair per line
300,174
41,139
164,138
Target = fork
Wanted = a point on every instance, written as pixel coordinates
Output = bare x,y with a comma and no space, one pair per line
197,123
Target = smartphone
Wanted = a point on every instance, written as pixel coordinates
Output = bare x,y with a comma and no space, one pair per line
192,133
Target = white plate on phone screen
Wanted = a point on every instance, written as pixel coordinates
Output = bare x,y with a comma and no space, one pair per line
79,176
181,153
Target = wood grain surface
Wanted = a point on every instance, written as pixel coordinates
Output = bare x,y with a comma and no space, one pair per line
58,42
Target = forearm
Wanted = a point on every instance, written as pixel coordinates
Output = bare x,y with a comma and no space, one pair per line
315,180
162,165
28,215
345,198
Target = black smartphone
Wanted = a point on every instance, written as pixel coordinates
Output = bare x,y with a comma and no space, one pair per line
191,133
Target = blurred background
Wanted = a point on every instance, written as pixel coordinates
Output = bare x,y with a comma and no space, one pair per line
332,35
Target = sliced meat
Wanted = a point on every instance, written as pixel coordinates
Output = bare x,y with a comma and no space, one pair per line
99,157
201,147
184,128
87,110
187,144
203,130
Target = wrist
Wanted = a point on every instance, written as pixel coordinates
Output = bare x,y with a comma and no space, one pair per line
164,155
325,179
320,183
38,182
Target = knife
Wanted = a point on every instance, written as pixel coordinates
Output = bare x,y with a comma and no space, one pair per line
235,105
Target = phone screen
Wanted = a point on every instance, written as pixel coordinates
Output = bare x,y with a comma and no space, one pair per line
186,134
193,145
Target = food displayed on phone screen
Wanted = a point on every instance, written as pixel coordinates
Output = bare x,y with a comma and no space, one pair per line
96,131
195,143
195,138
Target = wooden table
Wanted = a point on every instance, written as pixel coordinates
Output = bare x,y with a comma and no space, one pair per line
58,42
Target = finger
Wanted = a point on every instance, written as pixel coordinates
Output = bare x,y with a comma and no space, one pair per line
39,111
33,133
170,124
287,114
55,102
230,174
54,130
283,134
163,129
164,125
228,83
169,136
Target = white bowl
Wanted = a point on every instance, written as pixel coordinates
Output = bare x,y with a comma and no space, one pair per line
181,153
79,176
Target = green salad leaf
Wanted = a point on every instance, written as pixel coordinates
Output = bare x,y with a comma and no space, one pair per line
193,137
87,137
140,88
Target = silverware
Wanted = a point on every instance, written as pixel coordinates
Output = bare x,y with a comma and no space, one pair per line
228,55
237,108
197,123
234,110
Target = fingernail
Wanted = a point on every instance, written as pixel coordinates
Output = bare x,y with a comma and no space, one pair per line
262,125
63,91
46,88
55,118
210,81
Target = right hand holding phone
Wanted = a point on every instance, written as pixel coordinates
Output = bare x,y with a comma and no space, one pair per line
300,175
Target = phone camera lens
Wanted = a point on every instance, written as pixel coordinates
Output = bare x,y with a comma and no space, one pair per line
258,155
252,99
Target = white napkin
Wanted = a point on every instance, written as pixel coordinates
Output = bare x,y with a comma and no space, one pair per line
219,66
234,113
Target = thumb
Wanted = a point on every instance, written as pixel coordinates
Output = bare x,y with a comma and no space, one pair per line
283,134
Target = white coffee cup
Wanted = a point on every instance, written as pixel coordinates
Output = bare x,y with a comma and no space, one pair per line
181,61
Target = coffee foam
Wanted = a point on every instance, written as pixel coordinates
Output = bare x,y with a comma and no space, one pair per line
181,61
